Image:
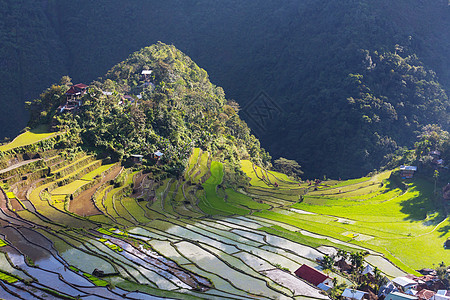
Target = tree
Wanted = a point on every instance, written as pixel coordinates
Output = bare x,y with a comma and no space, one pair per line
342,254
327,262
379,278
435,176
357,258
288,166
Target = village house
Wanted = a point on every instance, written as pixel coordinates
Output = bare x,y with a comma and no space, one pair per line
352,294
73,96
157,155
313,276
368,270
425,294
400,296
437,160
386,289
404,283
407,172
146,75
441,295
427,271
136,158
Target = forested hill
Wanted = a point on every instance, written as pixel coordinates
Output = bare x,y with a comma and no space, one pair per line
156,100
347,82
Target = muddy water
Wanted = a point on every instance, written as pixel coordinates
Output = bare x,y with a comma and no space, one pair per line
163,266
42,254
46,278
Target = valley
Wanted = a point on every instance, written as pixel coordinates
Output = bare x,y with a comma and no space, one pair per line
76,226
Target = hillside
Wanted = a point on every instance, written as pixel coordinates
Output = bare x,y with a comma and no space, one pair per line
171,108
300,54
75,225
147,183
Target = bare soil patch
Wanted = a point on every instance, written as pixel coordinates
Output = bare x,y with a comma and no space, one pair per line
3,201
16,206
83,205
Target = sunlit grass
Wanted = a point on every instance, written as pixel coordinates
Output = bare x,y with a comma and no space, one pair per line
30,137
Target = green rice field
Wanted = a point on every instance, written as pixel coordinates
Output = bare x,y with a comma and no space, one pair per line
197,237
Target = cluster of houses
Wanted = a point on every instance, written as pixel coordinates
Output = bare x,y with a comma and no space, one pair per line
408,287
411,287
436,158
76,92
407,172
137,158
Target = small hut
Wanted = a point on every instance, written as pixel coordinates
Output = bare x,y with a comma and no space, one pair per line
407,172
157,155
136,158
145,75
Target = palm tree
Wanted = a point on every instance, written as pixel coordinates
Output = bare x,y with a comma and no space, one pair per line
357,258
327,262
342,254
379,279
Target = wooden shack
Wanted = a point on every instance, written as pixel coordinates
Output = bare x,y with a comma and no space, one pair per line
407,172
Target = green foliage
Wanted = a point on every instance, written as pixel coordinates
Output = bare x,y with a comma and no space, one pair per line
178,110
289,167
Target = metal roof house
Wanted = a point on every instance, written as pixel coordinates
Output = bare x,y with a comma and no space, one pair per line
404,283
352,294
407,172
400,296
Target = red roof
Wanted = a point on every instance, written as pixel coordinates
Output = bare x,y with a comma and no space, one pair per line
425,294
76,89
311,275
72,91
80,86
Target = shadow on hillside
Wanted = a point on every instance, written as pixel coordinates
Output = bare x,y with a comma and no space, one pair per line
390,185
444,230
420,203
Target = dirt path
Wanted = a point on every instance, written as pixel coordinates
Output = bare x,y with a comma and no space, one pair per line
22,163
3,200
82,204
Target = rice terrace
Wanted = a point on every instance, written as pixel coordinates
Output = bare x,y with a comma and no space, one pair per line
74,226
146,184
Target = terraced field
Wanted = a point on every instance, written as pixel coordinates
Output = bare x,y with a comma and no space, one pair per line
30,137
72,231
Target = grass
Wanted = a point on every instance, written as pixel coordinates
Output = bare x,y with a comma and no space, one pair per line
8,278
135,210
96,172
95,280
367,212
303,239
247,167
192,162
401,225
69,188
202,168
236,198
211,203
30,137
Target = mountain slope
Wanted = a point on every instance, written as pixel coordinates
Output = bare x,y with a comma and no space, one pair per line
173,109
299,54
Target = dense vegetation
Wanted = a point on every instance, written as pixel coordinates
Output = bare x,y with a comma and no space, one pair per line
173,111
301,53
209,219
